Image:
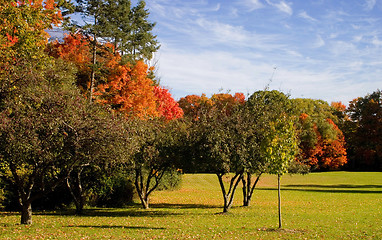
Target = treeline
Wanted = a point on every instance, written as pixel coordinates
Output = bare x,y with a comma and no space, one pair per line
85,120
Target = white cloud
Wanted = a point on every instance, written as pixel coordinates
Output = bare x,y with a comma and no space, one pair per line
319,42
376,41
369,4
282,6
305,15
204,50
224,32
207,72
217,8
357,38
251,5
341,48
355,27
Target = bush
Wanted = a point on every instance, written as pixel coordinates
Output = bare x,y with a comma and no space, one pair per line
115,191
171,180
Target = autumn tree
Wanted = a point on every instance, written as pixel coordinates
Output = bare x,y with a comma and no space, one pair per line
194,106
22,39
212,136
363,131
322,143
76,50
115,21
166,105
127,87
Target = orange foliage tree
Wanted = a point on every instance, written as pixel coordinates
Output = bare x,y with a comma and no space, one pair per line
194,105
318,149
126,87
129,90
22,36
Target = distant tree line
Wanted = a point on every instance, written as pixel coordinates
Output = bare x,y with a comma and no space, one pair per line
85,121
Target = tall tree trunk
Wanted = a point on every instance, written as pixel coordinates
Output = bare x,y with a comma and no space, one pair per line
78,193
141,190
279,197
248,189
144,187
229,196
92,77
26,212
94,60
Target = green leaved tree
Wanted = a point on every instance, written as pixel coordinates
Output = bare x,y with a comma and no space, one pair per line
280,148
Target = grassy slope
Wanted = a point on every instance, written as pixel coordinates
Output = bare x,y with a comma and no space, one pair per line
335,205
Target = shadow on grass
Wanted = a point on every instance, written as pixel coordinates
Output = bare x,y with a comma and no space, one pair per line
184,206
334,186
118,226
156,210
339,188
110,212
281,230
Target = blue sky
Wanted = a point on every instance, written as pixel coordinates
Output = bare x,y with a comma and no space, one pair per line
320,49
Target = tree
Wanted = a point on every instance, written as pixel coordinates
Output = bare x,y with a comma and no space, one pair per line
193,105
322,143
22,39
125,86
115,21
280,148
101,141
35,136
156,154
166,105
129,90
92,10
76,50
213,136
129,29
261,109
364,131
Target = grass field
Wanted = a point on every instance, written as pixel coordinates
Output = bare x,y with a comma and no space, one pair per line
334,205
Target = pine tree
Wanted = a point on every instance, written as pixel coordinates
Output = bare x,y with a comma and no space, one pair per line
142,43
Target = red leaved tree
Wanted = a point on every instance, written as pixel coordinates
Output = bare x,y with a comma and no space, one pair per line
166,105
317,148
126,87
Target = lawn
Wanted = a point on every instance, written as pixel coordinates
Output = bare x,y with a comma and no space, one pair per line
334,205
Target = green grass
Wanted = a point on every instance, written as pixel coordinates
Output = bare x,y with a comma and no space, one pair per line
334,205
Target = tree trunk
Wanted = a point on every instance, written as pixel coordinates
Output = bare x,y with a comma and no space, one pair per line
145,187
26,212
92,77
78,194
94,60
228,196
248,188
279,197
141,190
143,197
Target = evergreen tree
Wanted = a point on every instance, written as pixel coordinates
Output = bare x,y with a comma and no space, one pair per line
142,43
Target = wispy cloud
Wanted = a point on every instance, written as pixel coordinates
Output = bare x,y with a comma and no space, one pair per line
376,41
319,42
282,6
306,16
251,5
330,52
224,32
369,4
217,8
